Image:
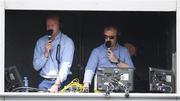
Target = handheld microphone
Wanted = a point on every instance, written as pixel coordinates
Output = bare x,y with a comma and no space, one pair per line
49,32
108,44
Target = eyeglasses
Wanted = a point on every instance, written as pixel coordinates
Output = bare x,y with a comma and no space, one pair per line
110,37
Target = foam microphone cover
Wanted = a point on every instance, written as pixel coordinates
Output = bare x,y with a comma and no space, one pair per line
108,44
49,32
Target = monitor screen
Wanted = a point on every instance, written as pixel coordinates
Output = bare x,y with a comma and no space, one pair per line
12,79
161,80
117,79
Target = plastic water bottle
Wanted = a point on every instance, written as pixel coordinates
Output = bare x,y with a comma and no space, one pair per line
26,83
71,89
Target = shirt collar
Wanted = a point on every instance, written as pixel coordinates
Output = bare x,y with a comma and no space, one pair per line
58,36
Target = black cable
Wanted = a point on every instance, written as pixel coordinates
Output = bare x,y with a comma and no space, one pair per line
58,52
58,55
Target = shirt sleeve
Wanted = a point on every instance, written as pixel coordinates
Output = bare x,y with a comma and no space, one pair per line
128,58
91,66
39,59
66,62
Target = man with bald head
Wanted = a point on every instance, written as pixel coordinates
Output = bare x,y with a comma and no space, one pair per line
53,56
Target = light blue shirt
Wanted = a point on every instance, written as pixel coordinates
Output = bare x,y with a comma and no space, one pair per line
49,66
99,58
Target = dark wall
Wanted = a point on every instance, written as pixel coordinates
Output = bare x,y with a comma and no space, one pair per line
153,33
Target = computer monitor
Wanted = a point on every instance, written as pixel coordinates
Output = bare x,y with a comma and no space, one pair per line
161,80
12,78
116,77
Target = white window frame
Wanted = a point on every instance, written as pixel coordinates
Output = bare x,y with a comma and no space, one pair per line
93,5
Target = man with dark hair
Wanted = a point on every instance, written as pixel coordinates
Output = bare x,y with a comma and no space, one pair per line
53,56
110,54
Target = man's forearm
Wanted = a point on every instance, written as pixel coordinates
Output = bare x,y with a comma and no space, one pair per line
58,81
39,62
122,64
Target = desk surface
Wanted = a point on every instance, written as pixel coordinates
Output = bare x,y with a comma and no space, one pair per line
134,95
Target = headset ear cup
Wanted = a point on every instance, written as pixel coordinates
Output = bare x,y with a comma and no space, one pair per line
60,25
118,33
118,36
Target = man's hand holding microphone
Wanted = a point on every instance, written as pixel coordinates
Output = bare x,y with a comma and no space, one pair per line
48,46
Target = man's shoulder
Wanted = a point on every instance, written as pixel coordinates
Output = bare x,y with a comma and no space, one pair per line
42,38
67,39
99,48
65,36
122,48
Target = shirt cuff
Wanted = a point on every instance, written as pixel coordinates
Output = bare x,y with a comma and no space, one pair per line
64,70
88,76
